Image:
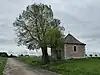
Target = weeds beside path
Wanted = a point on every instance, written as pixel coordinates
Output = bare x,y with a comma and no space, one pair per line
2,64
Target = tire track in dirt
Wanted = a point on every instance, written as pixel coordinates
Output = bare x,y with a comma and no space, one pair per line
14,67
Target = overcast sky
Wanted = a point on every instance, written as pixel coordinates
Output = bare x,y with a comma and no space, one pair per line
80,17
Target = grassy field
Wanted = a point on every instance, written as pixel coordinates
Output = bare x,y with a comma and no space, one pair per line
90,66
2,64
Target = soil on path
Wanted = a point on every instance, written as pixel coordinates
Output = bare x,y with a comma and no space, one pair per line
14,67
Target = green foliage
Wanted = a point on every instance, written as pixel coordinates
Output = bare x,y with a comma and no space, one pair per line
89,66
2,64
55,37
55,40
35,61
32,25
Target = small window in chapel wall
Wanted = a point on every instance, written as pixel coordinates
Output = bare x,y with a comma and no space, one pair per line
74,48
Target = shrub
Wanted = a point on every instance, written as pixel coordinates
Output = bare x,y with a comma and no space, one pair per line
96,55
90,55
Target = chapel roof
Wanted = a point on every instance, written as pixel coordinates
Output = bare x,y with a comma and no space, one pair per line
70,39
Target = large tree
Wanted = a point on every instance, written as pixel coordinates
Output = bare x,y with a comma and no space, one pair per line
31,27
55,40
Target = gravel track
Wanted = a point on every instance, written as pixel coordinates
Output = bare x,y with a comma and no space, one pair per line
14,67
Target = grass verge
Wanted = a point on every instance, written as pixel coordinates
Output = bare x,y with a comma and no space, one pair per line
2,64
90,66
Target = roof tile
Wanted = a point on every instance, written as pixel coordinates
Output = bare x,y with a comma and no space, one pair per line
69,39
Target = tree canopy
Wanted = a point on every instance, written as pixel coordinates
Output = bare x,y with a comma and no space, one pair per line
55,37
32,26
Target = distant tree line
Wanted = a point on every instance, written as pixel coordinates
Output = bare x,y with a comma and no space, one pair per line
3,54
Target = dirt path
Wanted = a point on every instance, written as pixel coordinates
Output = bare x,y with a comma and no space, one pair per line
14,67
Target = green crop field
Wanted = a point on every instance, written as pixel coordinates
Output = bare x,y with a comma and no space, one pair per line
90,66
2,64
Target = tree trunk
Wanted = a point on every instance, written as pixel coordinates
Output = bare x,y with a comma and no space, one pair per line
45,57
53,53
